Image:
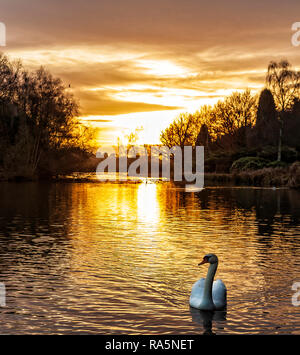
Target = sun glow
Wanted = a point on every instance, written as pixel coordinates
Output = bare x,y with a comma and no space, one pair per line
161,68
147,204
123,89
116,129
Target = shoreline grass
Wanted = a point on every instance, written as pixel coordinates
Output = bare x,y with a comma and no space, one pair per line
266,177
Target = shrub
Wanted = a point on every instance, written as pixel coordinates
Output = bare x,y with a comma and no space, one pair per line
248,163
277,164
268,152
219,162
288,154
294,178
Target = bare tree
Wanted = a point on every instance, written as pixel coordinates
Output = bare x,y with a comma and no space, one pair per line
284,83
37,115
180,132
225,118
236,111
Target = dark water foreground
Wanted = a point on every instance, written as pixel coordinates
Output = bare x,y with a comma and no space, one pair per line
121,258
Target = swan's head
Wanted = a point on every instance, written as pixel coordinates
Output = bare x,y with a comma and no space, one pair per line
209,258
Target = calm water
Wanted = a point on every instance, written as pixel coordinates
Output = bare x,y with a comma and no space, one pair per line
121,259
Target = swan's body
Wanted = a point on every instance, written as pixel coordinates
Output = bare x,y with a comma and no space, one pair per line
207,294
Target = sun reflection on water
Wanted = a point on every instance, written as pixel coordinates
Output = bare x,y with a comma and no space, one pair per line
148,208
121,258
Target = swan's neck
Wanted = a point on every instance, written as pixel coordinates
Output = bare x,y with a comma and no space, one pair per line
207,294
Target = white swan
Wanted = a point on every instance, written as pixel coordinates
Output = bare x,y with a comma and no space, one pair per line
207,294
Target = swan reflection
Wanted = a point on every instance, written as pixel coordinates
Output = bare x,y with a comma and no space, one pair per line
206,319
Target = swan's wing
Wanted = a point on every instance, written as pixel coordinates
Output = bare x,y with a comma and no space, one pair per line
197,293
219,294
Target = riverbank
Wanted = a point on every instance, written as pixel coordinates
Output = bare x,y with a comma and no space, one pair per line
266,177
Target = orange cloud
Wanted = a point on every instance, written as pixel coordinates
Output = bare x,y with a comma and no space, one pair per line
126,57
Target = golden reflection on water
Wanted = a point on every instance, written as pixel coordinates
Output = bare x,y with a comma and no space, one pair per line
148,208
122,258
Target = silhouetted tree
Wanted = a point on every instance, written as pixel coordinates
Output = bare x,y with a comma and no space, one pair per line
266,110
236,111
203,138
180,132
231,118
37,115
291,126
227,118
204,116
265,131
284,83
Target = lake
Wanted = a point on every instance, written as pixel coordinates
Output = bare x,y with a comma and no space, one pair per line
108,258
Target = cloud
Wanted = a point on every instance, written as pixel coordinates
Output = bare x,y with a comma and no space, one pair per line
214,22
95,103
131,56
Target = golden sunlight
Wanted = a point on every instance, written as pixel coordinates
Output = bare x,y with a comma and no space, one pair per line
103,229
124,89
115,129
147,205
161,68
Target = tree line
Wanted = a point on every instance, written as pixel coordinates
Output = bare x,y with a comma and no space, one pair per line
38,123
244,124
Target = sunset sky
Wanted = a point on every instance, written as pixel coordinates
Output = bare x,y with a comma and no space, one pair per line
137,63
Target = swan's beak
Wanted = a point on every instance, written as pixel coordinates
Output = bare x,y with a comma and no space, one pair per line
204,261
